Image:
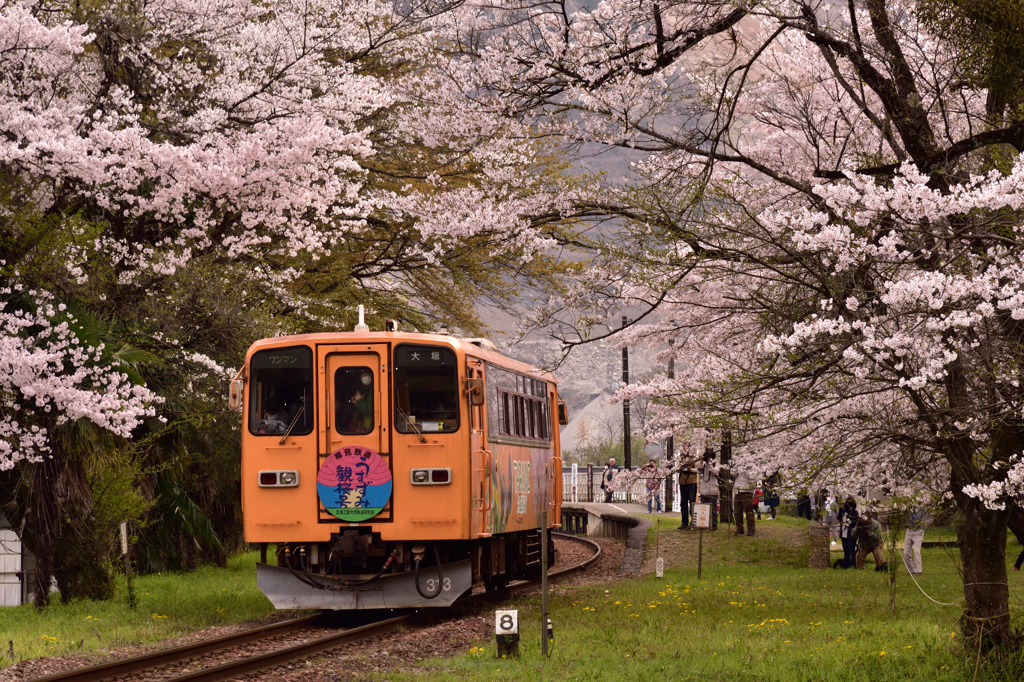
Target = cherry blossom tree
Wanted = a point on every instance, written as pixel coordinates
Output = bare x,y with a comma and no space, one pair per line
825,200
195,174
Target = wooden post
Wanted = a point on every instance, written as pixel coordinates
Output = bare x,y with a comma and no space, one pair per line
627,443
702,519
590,483
544,583
700,550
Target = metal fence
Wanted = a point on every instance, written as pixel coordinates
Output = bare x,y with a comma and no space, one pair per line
583,484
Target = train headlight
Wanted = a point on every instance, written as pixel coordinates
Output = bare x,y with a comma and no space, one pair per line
279,479
434,476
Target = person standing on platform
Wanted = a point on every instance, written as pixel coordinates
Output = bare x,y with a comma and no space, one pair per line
606,479
652,476
743,501
688,487
707,484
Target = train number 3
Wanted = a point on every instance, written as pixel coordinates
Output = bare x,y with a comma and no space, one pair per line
432,584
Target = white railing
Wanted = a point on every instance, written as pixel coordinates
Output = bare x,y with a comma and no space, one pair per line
574,488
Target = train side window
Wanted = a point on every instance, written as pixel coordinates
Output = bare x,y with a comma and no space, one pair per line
281,391
353,400
426,390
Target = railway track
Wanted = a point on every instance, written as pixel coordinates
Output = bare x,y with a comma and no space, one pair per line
230,670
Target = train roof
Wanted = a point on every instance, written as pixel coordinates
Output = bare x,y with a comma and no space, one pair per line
454,342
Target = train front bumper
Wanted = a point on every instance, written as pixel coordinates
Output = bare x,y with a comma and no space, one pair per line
285,591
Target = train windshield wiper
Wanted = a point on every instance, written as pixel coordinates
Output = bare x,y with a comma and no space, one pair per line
411,423
295,420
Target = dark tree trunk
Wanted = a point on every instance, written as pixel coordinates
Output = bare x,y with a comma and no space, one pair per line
982,540
725,481
44,519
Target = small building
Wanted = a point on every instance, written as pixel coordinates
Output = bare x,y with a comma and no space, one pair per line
12,562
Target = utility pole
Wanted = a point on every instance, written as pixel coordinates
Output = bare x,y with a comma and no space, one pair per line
726,484
670,445
627,457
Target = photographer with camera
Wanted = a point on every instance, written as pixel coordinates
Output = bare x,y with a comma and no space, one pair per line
869,536
687,487
707,484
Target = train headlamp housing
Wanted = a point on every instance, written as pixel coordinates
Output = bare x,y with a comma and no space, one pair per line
279,479
434,476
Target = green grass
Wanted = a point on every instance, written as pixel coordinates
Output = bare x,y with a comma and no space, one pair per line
757,614
169,605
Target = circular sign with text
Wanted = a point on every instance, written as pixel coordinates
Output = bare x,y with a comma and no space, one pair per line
354,483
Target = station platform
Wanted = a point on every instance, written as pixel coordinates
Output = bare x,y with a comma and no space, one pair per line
620,507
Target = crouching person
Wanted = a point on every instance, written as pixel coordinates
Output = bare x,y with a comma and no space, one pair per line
869,537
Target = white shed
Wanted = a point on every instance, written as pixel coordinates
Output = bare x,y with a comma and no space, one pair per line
10,565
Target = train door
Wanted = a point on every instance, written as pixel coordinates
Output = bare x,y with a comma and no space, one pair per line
355,453
481,460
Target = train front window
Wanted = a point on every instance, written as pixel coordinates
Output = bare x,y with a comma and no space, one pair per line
281,392
353,395
426,390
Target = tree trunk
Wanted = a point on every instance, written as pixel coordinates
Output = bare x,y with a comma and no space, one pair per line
44,519
982,540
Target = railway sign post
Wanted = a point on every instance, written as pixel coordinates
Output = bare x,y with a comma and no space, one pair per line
702,519
127,564
506,633
544,622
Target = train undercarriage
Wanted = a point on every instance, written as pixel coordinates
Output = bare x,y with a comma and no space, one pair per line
356,569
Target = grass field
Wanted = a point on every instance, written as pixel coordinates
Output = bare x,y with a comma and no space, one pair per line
755,615
168,605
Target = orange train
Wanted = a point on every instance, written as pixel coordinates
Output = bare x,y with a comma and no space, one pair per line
392,469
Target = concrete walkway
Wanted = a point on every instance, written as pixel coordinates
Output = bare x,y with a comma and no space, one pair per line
622,508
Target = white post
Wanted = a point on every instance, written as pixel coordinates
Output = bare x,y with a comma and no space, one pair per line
575,482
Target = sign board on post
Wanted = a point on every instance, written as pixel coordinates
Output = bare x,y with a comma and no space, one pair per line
575,486
506,633
702,515
124,538
660,567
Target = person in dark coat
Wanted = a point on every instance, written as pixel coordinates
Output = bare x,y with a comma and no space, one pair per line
848,517
606,479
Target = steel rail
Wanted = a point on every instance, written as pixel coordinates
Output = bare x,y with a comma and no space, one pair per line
233,669
125,666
